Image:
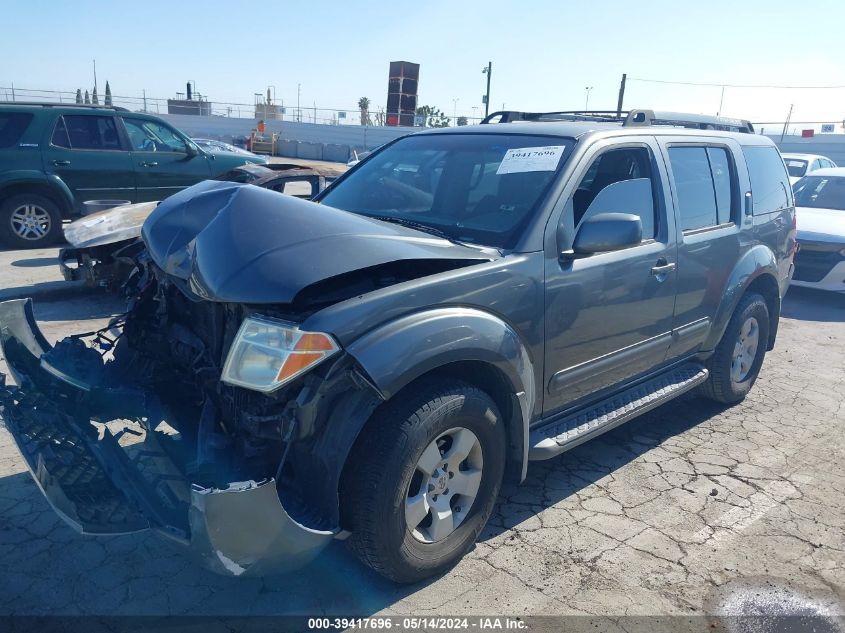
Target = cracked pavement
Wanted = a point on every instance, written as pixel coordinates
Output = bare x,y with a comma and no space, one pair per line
690,509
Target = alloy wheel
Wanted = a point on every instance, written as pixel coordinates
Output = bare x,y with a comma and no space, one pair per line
444,485
31,222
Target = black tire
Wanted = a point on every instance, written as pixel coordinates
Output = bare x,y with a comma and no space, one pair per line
721,386
384,461
51,226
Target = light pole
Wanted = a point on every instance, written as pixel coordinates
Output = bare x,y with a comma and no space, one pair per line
455,109
587,104
474,117
298,111
487,70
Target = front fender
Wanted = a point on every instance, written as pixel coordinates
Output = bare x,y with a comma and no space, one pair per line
757,261
401,351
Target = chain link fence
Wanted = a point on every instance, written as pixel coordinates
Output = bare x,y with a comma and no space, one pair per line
200,105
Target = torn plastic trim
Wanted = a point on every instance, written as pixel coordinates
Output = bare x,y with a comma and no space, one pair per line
242,529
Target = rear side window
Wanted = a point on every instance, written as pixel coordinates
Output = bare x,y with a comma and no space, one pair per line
12,127
86,132
769,181
704,186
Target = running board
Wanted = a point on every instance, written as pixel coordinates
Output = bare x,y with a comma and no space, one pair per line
563,434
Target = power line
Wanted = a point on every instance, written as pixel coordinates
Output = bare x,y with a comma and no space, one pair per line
715,85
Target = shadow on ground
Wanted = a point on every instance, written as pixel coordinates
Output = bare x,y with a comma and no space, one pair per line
142,574
36,262
807,304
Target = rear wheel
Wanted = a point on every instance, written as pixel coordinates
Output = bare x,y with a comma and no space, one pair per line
423,479
736,362
29,220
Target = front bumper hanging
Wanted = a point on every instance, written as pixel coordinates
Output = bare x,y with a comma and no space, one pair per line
100,483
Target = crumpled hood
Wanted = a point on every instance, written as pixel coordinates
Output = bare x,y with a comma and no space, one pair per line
242,244
820,225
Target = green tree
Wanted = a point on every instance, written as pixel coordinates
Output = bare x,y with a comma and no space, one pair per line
87,97
79,95
107,100
364,107
94,98
462,120
432,117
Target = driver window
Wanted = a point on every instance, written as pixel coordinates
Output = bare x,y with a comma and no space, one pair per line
149,136
612,167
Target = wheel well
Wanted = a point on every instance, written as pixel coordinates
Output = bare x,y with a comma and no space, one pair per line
41,189
767,287
495,384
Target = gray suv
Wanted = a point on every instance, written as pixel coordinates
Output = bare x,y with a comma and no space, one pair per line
372,365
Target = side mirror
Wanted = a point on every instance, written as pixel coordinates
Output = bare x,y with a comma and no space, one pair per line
191,149
606,232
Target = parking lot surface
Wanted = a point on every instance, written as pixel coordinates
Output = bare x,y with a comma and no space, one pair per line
690,509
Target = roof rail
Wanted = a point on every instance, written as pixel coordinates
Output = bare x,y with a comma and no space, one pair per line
508,116
682,119
630,118
48,104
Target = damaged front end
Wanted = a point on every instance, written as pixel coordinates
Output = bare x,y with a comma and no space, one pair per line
130,428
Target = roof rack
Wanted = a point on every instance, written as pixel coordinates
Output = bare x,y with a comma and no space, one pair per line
629,118
48,104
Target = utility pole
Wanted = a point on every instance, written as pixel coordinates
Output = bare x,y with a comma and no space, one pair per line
95,74
721,101
144,92
786,123
455,109
298,111
621,95
587,102
488,70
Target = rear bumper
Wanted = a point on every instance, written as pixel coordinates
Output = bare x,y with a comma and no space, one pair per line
102,481
833,280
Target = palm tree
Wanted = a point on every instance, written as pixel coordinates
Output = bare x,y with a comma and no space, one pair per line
364,107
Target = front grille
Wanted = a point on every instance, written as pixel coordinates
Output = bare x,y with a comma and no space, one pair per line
814,265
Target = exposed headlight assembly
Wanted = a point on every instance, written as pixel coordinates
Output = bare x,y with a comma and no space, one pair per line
267,353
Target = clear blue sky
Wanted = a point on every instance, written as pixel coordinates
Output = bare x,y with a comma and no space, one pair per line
544,53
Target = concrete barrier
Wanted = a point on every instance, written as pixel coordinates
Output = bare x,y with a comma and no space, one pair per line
309,151
336,153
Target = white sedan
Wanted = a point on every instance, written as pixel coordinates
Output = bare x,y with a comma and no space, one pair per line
800,165
820,213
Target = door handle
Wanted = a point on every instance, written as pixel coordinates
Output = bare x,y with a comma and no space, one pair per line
61,163
149,164
662,268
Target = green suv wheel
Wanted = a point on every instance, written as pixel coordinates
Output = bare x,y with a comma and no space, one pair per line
29,220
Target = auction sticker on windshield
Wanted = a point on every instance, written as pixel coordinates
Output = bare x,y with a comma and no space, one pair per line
531,159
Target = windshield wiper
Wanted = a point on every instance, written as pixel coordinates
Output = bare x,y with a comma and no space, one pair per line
425,228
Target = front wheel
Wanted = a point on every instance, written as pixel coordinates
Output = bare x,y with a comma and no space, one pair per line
736,362
423,479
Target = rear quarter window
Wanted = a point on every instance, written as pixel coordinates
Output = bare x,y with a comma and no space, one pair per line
12,127
770,189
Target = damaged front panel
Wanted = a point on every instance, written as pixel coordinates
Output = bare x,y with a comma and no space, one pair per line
120,442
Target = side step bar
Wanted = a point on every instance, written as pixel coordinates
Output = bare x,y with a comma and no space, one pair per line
565,433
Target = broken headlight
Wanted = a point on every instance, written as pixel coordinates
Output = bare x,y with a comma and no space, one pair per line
267,353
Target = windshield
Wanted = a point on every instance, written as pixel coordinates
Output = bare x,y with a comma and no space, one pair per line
479,188
796,167
821,192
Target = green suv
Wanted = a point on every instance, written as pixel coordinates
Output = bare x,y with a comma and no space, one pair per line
53,158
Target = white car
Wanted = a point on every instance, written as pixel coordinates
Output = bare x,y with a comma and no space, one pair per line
799,165
820,213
